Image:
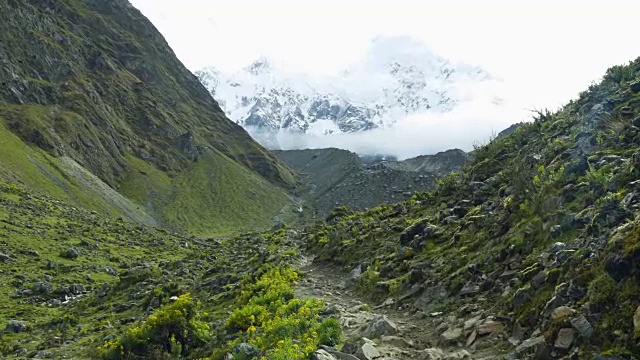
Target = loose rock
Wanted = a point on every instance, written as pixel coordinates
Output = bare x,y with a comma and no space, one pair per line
583,326
16,326
451,336
565,338
380,326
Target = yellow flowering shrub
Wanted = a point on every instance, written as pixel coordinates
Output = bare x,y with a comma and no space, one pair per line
173,329
277,324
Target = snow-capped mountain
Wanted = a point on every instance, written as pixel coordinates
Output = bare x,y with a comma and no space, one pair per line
398,76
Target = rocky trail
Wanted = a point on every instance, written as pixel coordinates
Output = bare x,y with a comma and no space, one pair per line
389,331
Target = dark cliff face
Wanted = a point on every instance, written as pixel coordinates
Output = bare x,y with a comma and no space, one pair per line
95,80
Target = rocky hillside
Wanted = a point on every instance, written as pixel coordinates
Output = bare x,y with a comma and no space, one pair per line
335,177
95,106
398,76
532,250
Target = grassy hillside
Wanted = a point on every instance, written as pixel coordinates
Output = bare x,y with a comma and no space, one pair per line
77,285
540,230
95,83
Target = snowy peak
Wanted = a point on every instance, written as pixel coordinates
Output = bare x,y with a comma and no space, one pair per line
397,77
260,66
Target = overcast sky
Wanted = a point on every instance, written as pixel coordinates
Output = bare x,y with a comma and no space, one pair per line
556,47
547,51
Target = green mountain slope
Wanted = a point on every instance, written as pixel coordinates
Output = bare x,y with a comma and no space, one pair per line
95,82
77,285
541,231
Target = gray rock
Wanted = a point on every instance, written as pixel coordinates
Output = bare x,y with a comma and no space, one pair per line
451,336
491,327
636,321
323,355
154,303
21,351
562,312
16,326
458,355
77,289
4,257
333,309
354,275
469,288
416,276
538,280
432,354
104,290
381,325
43,355
583,326
397,341
368,352
337,354
409,233
530,346
246,350
43,287
521,295
71,253
565,338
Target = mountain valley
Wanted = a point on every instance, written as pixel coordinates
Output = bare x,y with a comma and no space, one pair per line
137,221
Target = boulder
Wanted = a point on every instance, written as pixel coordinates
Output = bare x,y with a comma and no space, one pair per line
43,355
410,232
416,276
245,350
532,347
381,325
355,274
458,355
562,312
368,352
333,309
469,288
490,327
397,341
340,355
4,257
323,355
636,321
583,326
451,336
43,287
521,295
432,354
565,339
71,253
16,326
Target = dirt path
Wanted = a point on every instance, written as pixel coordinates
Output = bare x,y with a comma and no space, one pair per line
416,337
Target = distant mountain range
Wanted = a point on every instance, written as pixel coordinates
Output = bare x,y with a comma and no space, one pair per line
398,77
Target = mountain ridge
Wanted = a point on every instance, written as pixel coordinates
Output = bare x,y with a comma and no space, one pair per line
107,91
